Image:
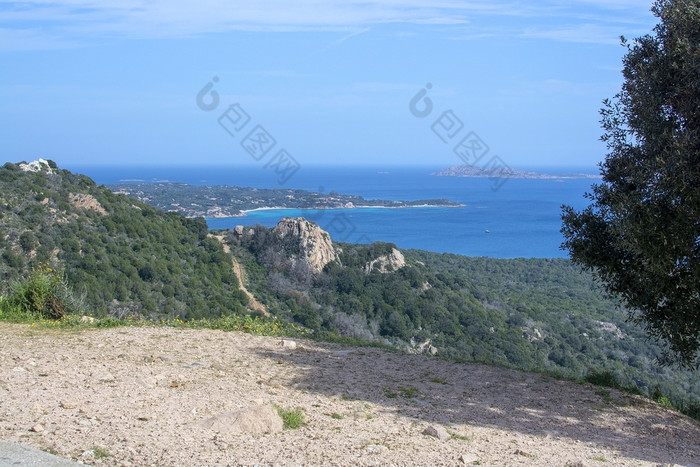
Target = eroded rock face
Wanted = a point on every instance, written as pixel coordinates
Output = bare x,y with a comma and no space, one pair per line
314,244
85,201
37,166
386,263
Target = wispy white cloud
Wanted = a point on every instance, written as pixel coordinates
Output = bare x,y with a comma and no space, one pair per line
341,40
54,23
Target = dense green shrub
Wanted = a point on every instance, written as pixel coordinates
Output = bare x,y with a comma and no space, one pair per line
43,294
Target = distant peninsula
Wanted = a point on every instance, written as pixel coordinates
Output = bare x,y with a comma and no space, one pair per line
233,201
507,172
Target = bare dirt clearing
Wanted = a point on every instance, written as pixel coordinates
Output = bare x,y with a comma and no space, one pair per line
142,396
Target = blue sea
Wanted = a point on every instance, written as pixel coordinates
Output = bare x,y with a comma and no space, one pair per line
519,219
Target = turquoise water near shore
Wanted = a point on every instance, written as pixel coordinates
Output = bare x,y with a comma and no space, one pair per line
520,219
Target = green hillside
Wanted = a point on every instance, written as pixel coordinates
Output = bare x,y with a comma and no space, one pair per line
125,256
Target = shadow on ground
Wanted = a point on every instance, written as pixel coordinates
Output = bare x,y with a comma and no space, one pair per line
433,390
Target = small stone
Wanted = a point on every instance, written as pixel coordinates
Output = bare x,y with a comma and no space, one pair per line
523,453
438,432
148,382
68,405
287,344
376,448
38,428
468,459
271,383
106,377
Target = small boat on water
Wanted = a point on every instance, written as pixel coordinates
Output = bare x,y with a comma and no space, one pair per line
487,231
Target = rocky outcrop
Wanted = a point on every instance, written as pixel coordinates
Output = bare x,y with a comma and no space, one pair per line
85,201
610,328
309,243
386,263
422,348
532,334
40,165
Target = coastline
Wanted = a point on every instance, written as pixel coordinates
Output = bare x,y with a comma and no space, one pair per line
272,208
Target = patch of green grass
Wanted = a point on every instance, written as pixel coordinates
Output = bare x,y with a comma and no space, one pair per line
336,416
260,326
690,409
406,393
665,402
458,436
607,379
100,453
409,393
291,418
389,394
439,381
600,459
605,395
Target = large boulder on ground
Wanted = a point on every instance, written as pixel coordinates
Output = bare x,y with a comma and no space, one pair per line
253,420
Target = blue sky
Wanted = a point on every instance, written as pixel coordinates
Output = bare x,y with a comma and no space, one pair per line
114,82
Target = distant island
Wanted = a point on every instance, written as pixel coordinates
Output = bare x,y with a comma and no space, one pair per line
233,201
507,172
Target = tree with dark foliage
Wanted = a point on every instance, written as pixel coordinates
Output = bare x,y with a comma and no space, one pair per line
641,233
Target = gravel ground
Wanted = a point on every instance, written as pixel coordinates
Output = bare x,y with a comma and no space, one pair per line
142,396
